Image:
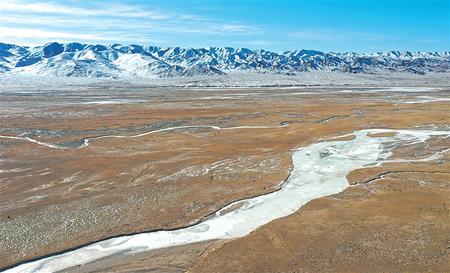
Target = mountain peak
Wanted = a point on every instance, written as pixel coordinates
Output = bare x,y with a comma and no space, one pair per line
52,49
117,60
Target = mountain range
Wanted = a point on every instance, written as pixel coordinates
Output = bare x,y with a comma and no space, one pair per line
117,61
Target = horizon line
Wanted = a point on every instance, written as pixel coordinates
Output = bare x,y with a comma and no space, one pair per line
230,47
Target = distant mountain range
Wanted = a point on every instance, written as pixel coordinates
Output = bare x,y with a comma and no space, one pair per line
118,61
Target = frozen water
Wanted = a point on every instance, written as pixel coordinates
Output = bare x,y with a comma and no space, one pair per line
319,170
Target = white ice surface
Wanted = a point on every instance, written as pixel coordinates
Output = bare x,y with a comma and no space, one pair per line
319,170
407,89
49,145
426,99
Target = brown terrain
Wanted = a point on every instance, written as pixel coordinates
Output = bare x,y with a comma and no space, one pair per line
394,217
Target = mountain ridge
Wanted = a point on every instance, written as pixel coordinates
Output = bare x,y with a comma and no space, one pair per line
117,61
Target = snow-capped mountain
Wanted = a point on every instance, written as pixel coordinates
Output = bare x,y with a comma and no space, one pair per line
81,60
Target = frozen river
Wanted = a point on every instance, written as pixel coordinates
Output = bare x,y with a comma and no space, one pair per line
318,170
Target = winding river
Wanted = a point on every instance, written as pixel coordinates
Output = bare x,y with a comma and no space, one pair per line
319,170
87,141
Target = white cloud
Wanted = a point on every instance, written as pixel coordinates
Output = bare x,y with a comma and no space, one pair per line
107,21
6,32
33,7
48,8
36,35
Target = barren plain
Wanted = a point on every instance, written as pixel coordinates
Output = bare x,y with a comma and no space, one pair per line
79,166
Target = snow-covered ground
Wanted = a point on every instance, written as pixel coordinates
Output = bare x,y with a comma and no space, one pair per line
426,99
319,170
385,82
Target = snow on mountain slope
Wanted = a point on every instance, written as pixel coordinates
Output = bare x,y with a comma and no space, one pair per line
116,60
136,64
79,64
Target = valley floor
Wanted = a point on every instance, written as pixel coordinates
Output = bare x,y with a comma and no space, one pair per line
79,165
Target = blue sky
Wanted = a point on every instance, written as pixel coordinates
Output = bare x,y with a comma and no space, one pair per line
328,25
